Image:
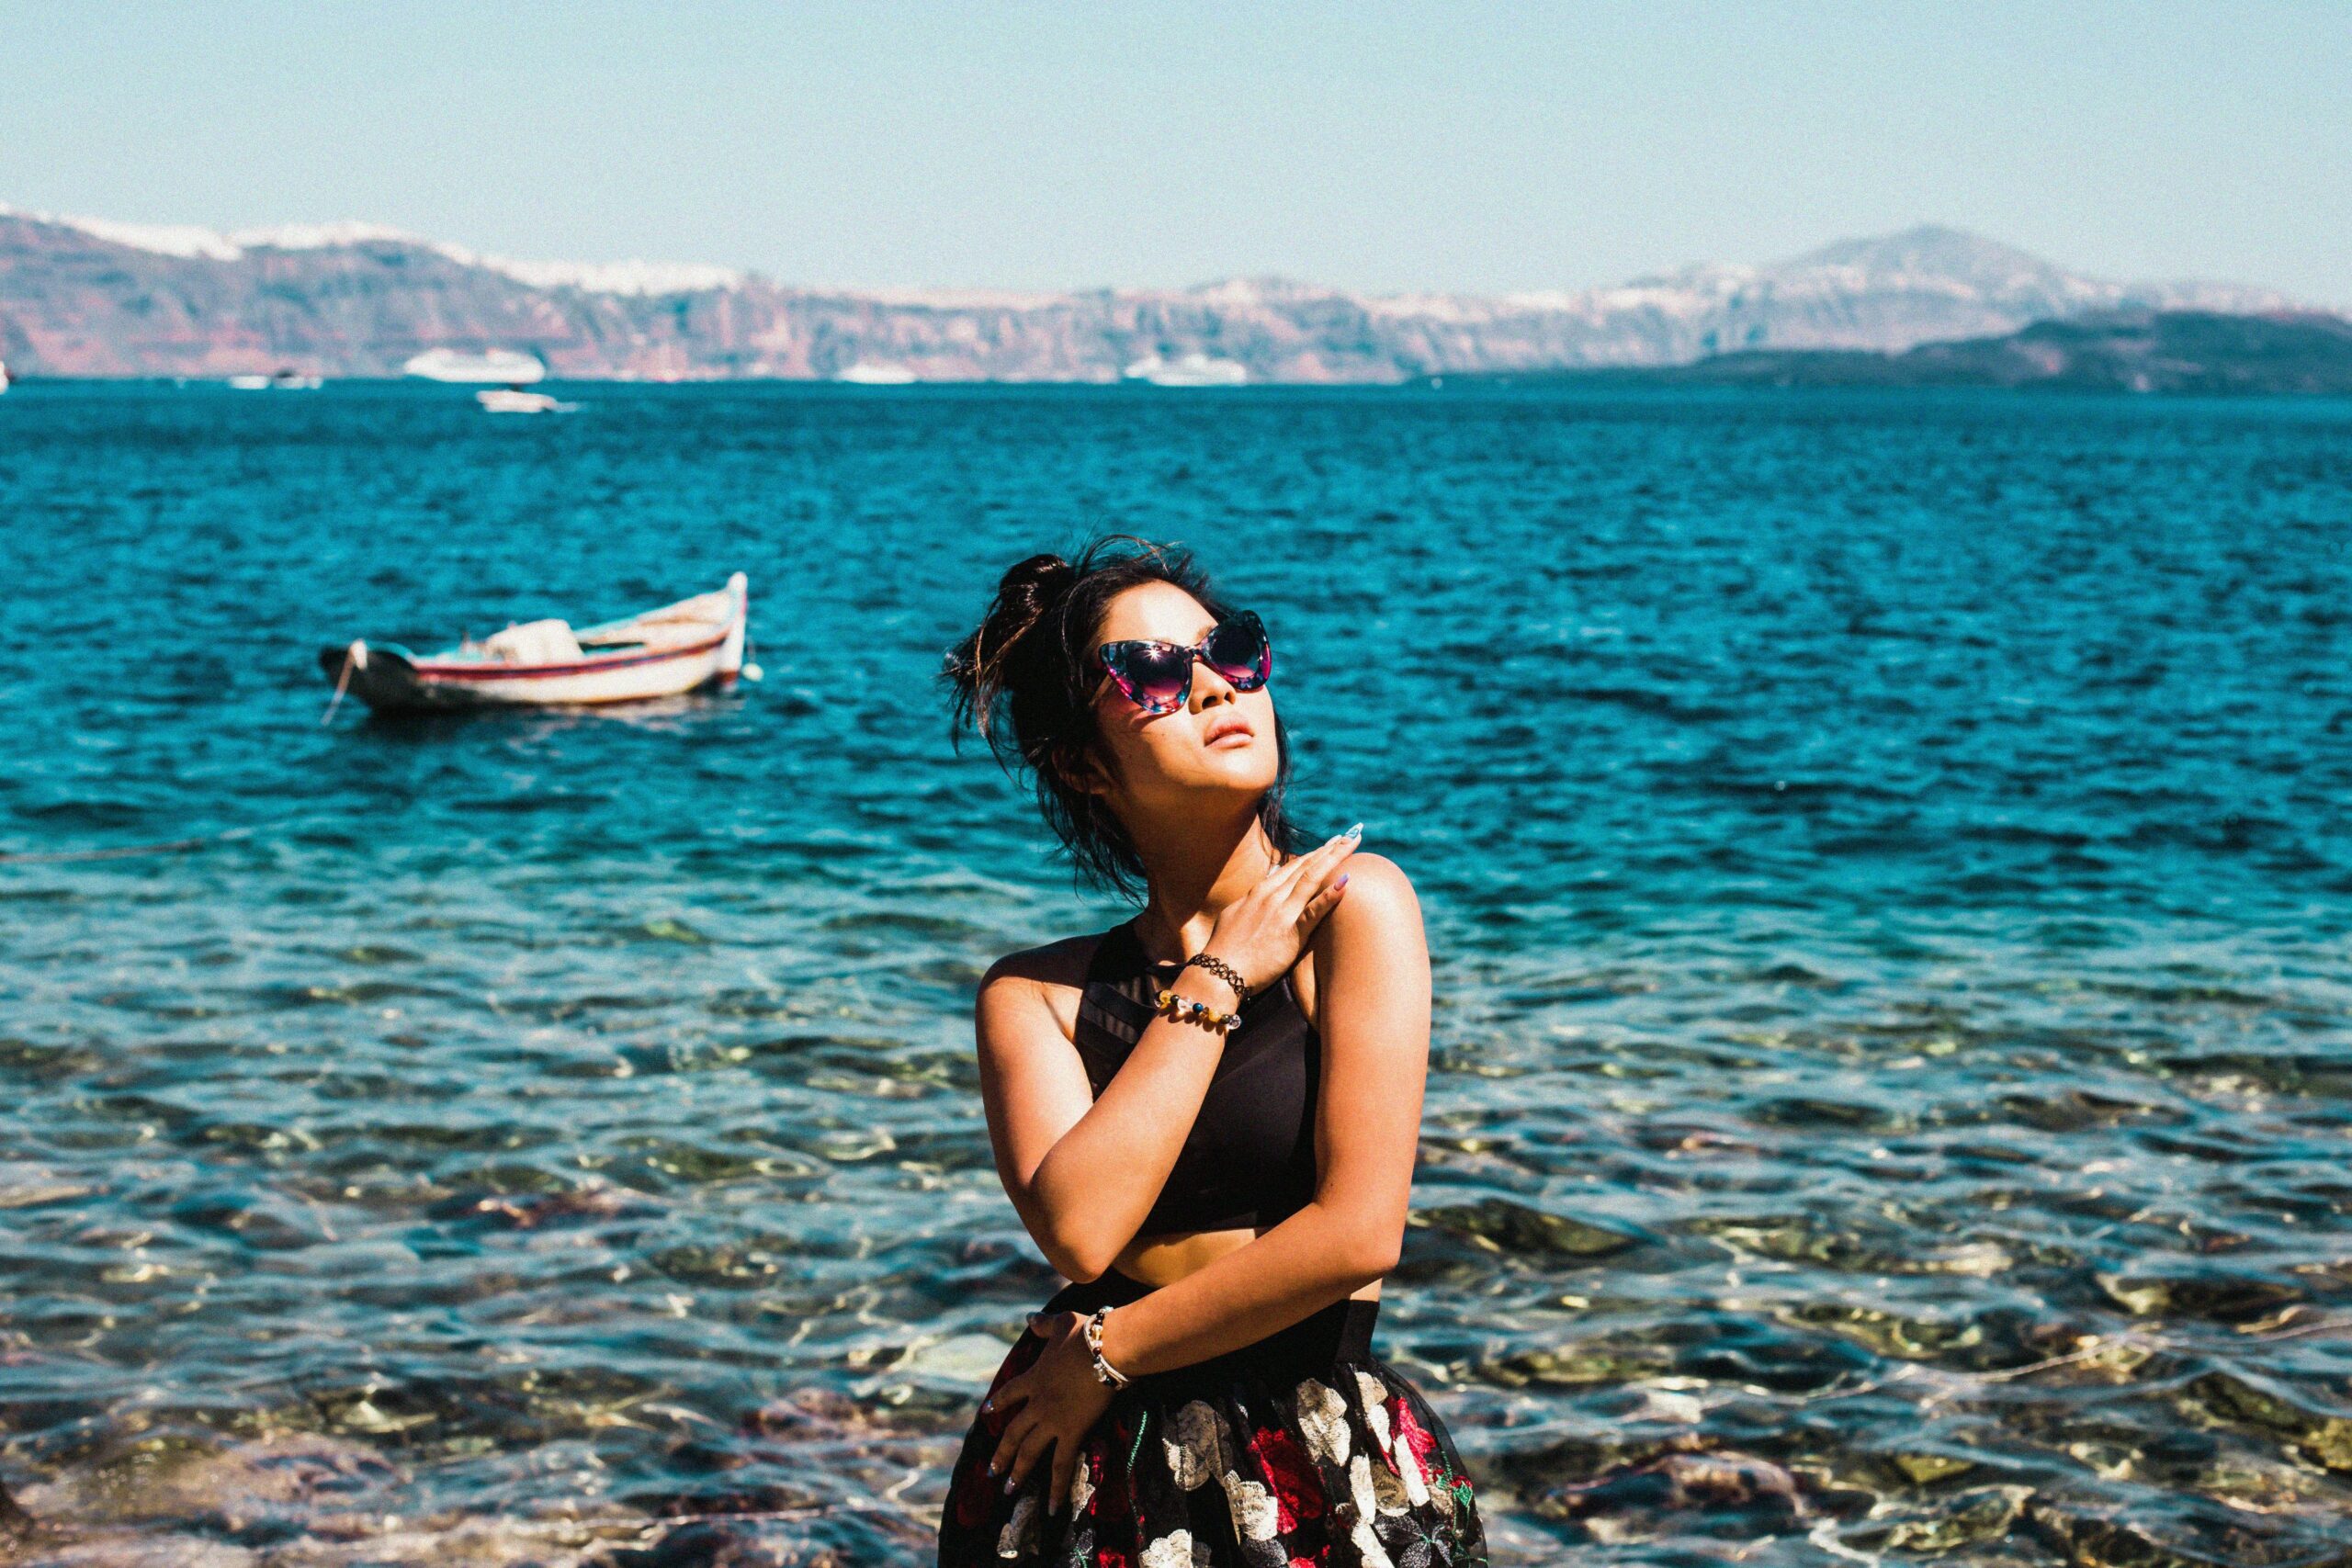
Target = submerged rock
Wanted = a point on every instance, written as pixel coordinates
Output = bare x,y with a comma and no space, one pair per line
14,1521
2088,1541
1971,1518
2320,1436
1515,1228
1681,1492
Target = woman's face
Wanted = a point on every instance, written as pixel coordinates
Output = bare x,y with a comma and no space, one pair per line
1220,742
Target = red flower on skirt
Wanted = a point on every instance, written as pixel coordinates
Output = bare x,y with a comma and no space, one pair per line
1407,1425
974,1497
1290,1475
1114,1502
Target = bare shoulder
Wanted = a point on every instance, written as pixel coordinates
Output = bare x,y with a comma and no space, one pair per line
1378,909
1059,962
1376,880
1374,928
1023,988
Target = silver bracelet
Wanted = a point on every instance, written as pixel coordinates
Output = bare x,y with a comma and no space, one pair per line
1222,970
1104,1372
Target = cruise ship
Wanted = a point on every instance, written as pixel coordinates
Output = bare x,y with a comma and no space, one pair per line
1193,369
873,373
505,367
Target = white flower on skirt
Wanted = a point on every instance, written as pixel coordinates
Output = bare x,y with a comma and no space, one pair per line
1082,1487
1255,1515
1442,1500
1374,1396
1323,1417
1359,1487
1172,1551
1401,1457
1388,1489
1194,1453
1020,1531
1408,1469
1368,1547
1373,1489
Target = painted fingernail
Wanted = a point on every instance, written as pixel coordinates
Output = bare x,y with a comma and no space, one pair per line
1342,883
1010,1485
1354,832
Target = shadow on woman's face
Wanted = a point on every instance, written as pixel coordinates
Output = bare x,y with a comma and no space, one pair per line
1217,750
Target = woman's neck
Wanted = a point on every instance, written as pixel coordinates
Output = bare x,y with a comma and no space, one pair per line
1191,874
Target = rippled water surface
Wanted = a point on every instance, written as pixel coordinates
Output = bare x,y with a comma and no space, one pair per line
1887,860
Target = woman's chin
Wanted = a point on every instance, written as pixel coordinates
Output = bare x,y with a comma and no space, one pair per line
1238,773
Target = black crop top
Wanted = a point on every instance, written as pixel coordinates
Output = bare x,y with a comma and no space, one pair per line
1250,1158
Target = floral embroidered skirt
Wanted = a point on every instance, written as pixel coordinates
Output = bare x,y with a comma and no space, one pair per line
1302,1449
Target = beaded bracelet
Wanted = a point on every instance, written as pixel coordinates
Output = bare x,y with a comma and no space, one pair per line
1184,1009
1222,970
1104,1372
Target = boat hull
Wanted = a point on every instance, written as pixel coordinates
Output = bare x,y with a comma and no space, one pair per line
389,679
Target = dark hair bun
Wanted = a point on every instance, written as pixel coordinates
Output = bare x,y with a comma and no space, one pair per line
979,667
1032,587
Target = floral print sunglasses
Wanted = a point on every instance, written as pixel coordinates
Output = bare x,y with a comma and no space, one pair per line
1158,676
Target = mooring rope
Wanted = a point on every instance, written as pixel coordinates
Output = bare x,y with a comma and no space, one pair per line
342,681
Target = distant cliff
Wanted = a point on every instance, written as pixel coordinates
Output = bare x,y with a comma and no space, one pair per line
2165,351
82,297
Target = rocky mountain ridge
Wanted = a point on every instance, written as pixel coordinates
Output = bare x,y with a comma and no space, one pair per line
2282,353
84,297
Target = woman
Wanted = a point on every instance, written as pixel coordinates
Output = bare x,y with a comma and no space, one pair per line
1206,1116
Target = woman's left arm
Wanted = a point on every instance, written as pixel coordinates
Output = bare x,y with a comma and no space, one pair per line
1373,1003
1371,962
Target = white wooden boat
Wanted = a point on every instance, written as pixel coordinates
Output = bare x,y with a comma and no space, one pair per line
678,648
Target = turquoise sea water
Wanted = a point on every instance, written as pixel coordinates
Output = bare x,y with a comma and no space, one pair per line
1887,861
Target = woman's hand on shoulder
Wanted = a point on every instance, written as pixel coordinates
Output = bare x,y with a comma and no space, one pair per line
1262,933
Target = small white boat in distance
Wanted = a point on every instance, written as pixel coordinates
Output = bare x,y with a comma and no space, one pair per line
286,379
513,400
866,373
1193,369
3,375
660,653
501,365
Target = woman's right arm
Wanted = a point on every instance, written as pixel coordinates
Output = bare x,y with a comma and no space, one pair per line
1083,1172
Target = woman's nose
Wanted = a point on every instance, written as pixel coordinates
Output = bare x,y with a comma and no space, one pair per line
1208,686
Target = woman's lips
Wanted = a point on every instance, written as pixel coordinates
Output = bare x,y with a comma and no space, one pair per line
1224,732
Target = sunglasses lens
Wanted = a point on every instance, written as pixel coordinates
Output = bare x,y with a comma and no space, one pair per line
1153,675
1238,649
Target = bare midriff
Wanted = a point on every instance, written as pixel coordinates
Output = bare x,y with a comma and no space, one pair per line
1163,1260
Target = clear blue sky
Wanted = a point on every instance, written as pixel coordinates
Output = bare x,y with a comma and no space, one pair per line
1445,145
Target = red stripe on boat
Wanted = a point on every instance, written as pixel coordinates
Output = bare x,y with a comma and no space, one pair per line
473,671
